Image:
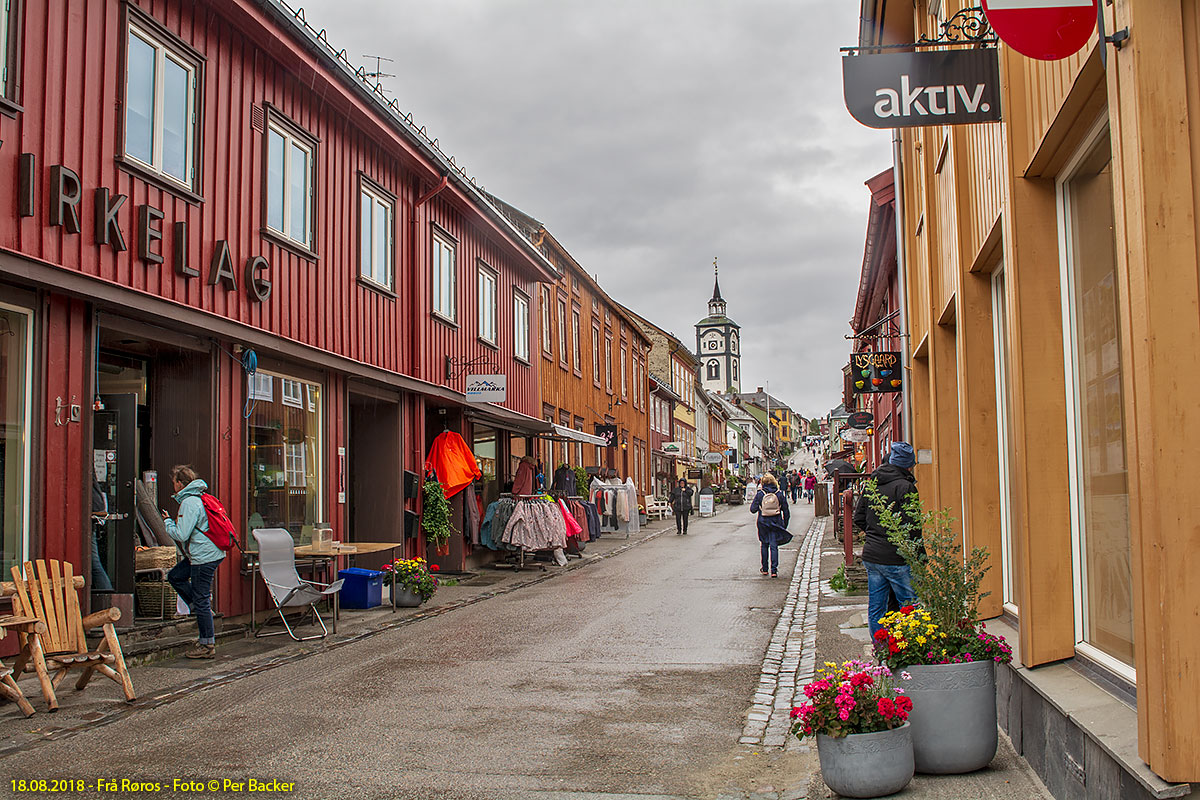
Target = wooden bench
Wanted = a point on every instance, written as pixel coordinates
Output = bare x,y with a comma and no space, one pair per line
657,509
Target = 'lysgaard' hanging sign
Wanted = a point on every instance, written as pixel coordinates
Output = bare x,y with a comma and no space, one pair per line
1044,29
908,90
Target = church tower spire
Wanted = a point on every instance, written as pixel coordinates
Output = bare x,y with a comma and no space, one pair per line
716,306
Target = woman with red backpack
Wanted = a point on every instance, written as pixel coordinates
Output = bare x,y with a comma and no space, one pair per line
192,577
771,505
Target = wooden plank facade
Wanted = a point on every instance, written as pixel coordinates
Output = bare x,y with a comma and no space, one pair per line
1052,301
188,272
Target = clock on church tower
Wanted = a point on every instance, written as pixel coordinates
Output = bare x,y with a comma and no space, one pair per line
717,345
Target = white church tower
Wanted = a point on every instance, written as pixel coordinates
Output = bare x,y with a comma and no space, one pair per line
718,345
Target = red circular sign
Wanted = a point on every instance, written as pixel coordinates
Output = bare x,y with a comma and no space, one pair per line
1044,29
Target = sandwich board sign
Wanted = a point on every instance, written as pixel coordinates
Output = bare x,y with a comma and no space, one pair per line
1047,30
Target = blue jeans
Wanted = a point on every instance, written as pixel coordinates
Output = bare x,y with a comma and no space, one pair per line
773,551
194,583
883,579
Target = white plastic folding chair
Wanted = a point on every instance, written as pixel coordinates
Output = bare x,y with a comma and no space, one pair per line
285,587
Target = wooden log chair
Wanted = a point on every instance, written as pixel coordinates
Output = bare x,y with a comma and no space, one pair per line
49,594
9,689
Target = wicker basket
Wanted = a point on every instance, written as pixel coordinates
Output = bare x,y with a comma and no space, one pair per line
155,599
155,558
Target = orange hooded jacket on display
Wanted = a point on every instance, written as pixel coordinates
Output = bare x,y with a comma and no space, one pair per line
453,463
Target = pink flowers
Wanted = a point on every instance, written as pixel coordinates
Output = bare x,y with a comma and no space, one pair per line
854,697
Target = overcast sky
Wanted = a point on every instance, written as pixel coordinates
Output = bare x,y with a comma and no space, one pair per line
652,135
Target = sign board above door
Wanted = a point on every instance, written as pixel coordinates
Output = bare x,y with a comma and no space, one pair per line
487,388
931,87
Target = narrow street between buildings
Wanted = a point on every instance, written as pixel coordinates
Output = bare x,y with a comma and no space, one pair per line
632,675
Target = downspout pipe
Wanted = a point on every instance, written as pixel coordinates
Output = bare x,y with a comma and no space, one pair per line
901,281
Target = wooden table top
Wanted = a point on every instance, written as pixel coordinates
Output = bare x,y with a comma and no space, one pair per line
360,548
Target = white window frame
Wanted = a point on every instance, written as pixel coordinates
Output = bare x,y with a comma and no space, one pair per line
624,365
520,327
162,51
294,452
308,393
444,276
608,382
1074,432
290,393
261,386
369,262
596,355
487,284
292,139
26,415
5,57
1003,434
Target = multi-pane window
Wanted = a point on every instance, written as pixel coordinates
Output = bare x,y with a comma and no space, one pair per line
445,278
294,463
562,330
608,363
291,394
160,104
375,215
575,338
521,326
291,181
261,386
487,305
547,329
596,354
624,380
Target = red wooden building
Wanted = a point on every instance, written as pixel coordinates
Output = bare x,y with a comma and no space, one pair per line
189,181
877,318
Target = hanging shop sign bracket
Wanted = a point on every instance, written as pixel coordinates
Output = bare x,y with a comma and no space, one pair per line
968,28
457,366
890,330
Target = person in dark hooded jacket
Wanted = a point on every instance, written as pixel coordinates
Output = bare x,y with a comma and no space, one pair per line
887,573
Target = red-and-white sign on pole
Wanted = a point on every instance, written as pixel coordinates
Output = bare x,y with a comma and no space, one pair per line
1044,29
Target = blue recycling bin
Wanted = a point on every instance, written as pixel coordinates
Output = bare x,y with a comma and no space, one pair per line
363,588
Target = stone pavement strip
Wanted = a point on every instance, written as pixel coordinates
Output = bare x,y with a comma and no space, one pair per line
792,653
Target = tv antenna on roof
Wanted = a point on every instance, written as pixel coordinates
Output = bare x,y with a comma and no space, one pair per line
379,73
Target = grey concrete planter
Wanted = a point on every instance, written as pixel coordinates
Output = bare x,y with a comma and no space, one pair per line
867,764
406,598
953,717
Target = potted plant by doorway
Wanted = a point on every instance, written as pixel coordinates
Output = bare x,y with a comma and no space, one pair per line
940,652
859,719
411,579
435,517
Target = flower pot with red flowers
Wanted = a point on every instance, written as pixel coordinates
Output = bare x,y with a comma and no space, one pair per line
859,719
940,653
411,579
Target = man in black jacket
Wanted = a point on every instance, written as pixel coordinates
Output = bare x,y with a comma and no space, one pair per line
886,571
681,504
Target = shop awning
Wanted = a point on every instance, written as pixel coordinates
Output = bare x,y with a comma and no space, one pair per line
564,434
507,419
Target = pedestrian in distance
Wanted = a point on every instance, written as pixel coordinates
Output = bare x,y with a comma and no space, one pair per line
681,504
886,571
751,489
192,577
793,479
771,505
810,486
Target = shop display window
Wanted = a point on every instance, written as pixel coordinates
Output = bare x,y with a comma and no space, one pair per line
15,365
286,456
1099,470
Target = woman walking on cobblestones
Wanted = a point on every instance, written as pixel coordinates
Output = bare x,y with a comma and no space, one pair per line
771,505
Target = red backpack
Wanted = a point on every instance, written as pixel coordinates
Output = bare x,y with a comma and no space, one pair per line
220,528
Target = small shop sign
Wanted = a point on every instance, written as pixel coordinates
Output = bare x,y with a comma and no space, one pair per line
855,435
487,388
933,87
672,448
608,433
876,373
861,420
713,458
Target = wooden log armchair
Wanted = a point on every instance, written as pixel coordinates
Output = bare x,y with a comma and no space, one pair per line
55,644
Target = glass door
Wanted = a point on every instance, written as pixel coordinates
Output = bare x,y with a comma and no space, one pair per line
16,354
115,465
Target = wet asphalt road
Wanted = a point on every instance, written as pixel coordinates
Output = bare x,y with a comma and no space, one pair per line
630,676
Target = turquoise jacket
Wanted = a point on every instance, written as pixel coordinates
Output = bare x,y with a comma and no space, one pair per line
193,522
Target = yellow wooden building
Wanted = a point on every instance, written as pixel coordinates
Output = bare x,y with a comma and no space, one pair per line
1050,267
